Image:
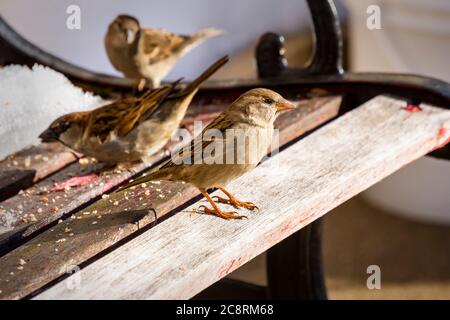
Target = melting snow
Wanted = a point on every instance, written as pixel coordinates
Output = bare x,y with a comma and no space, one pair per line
30,99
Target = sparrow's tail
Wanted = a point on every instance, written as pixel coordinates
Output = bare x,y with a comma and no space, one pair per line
151,175
205,75
208,33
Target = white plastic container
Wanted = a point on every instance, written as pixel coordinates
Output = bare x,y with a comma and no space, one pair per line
414,38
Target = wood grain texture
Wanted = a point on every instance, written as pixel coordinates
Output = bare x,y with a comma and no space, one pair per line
186,253
20,170
82,236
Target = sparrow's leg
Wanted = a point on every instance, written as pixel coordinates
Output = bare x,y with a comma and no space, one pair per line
141,84
138,86
233,201
216,211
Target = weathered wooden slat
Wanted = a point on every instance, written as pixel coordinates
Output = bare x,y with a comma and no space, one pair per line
82,236
187,253
20,170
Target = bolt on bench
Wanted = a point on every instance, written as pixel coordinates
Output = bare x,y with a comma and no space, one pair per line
349,132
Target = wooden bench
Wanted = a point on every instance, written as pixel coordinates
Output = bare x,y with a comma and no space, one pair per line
123,255
89,243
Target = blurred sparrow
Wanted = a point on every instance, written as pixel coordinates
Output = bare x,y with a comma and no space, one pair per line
128,129
150,54
251,115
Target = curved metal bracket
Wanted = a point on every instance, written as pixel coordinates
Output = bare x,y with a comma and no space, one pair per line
327,57
16,49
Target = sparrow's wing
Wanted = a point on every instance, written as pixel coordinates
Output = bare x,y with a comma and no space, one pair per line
220,123
158,45
187,155
124,115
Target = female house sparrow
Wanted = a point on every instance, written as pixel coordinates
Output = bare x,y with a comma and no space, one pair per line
128,129
148,53
252,114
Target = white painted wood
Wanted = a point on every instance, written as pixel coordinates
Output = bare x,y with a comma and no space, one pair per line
188,252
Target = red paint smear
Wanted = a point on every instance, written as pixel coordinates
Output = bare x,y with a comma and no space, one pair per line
75,182
286,227
229,266
442,133
412,108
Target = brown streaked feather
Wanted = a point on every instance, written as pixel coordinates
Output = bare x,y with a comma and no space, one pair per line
123,116
160,44
220,123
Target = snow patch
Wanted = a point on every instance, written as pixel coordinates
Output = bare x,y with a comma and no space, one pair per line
30,99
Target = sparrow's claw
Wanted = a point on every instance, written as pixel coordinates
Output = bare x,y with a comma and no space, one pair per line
222,214
236,203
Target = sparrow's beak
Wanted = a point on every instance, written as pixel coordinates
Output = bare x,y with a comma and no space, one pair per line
48,136
284,105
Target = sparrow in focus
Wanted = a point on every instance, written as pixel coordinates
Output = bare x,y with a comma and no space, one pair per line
252,115
128,129
150,54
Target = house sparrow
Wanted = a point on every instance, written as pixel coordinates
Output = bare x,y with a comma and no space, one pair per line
129,129
150,54
251,115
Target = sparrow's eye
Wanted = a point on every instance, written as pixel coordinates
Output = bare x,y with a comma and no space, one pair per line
268,101
64,126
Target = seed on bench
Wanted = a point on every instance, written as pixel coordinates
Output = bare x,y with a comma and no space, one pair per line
27,162
105,196
32,217
116,203
67,229
83,161
60,240
86,213
147,192
94,212
60,221
22,262
94,222
39,210
144,185
20,268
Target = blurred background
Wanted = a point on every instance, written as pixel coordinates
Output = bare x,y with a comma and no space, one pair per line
401,224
